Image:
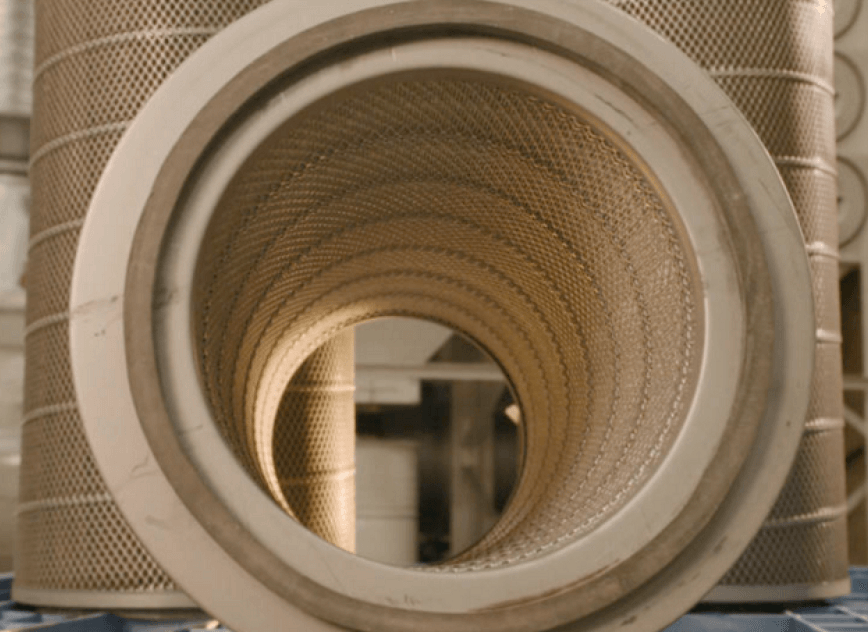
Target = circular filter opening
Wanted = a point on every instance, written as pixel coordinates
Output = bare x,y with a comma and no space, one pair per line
491,208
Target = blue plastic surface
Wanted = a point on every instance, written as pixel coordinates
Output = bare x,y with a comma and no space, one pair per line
848,614
17,617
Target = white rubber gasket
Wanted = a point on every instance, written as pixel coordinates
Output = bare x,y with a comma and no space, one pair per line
175,535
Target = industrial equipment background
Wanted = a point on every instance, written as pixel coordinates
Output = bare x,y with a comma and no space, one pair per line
420,384
16,62
307,170
851,73
774,59
387,500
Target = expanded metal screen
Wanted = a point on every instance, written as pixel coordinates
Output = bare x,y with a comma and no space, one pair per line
491,209
774,58
566,190
97,63
367,204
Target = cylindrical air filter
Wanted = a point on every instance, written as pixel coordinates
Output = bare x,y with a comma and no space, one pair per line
97,63
314,441
774,59
550,180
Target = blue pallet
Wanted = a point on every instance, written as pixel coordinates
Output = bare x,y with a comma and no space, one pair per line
16,617
848,614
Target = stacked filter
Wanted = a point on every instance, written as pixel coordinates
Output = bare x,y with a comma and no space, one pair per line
314,442
493,197
774,59
97,63
517,170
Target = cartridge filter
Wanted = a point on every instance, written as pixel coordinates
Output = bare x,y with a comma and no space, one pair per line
775,60
550,180
97,63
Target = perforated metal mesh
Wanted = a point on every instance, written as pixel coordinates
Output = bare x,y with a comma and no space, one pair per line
774,59
70,527
481,205
97,62
314,443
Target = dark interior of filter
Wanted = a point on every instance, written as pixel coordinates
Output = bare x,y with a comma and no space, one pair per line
487,207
